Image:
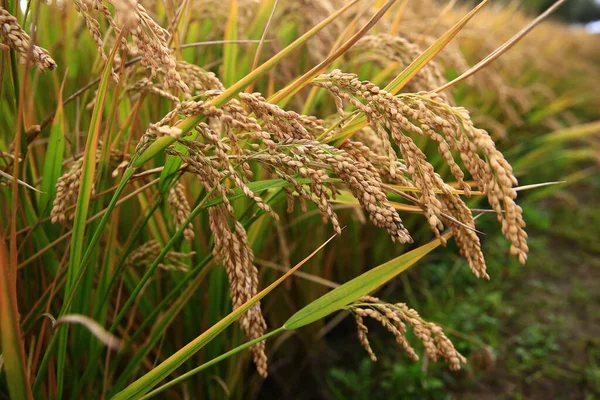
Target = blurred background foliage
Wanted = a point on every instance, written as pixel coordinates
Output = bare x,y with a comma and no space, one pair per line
574,11
581,11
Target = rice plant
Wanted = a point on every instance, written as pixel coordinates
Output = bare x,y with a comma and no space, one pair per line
163,168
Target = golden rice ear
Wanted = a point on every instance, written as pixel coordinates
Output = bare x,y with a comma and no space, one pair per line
67,185
180,208
198,79
126,11
397,118
16,38
149,38
394,318
234,252
296,151
146,85
152,41
67,188
362,336
149,251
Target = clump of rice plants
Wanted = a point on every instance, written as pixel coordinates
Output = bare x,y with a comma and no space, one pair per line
160,154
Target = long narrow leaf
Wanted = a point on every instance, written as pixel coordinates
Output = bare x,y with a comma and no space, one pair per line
10,333
54,156
417,65
360,286
409,72
230,67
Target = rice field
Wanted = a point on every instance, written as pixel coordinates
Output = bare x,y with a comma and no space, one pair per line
196,195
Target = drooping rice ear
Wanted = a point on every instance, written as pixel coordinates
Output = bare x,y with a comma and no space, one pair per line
16,38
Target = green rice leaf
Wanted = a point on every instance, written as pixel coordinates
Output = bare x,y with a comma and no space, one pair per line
12,346
54,157
360,286
230,50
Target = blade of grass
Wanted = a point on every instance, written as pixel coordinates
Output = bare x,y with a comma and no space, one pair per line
230,66
553,142
91,219
409,72
10,330
569,180
212,362
571,133
261,43
333,301
316,92
360,286
103,304
54,155
158,330
20,182
164,251
13,350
